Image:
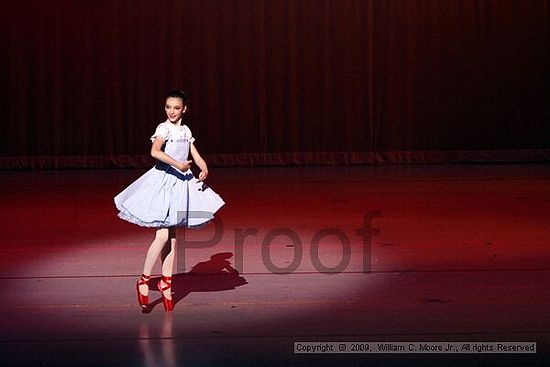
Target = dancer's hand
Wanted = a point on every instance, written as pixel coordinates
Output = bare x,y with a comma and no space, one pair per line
203,175
184,166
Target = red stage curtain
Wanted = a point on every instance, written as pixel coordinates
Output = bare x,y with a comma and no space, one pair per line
275,82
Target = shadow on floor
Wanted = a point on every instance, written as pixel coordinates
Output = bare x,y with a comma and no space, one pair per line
213,275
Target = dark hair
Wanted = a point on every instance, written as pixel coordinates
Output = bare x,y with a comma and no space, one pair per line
178,94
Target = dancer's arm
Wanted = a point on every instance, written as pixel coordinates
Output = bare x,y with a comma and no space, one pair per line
157,153
200,162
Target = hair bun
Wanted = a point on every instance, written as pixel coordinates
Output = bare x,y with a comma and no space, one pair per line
178,93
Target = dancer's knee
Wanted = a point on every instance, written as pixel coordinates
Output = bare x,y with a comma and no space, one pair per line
162,234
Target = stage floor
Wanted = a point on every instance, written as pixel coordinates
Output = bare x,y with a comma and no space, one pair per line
453,253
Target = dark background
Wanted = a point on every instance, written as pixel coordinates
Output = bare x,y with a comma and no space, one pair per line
275,82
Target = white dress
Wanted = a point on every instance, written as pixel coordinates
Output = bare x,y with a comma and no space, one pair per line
165,196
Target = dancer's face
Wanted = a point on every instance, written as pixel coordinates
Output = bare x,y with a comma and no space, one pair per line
174,108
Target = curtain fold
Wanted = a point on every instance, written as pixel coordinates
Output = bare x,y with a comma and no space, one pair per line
271,81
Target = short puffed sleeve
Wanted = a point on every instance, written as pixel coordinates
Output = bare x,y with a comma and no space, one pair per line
187,134
162,131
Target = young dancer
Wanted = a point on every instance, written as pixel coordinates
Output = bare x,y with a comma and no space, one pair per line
168,196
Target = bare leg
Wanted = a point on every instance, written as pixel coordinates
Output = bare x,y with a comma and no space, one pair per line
167,255
160,241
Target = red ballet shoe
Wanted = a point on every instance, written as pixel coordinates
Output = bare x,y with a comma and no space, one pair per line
143,300
167,303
